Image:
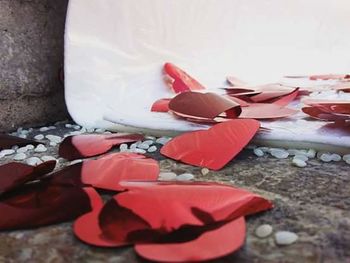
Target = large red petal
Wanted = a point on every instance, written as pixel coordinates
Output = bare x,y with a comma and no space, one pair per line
211,244
107,171
80,146
320,114
285,100
15,174
266,111
7,141
331,106
42,204
161,105
182,81
213,148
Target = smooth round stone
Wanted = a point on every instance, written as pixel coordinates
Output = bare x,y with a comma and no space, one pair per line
301,157
335,157
52,144
40,148
123,147
148,142
264,149
150,138
279,154
39,137
19,157
185,177
76,127
33,161
205,171
7,152
23,136
22,149
258,152
346,157
100,130
30,146
311,153
141,151
285,238
299,163
163,140
52,127
326,157
263,231
133,146
47,158
152,149
167,176
143,146
68,125
90,130
53,138
44,129
15,147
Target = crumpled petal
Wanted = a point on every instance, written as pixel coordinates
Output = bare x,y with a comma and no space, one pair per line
41,204
15,174
7,141
204,106
213,148
80,146
182,81
107,171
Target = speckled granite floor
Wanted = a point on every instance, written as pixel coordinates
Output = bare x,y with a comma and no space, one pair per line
313,202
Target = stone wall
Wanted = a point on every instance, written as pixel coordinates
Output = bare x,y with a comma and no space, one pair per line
31,55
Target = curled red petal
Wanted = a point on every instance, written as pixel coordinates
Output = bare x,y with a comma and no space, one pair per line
213,148
266,111
7,141
285,100
320,114
182,81
107,171
15,174
209,245
80,146
161,105
203,106
331,106
42,204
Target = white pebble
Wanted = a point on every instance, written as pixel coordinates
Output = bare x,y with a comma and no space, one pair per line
141,151
76,127
285,238
53,138
52,127
19,156
335,157
1,155
152,149
325,157
39,137
15,147
76,161
263,231
264,149
163,140
301,157
311,153
133,146
22,149
167,176
99,130
299,163
258,152
44,129
7,152
185,177
68,125
279,153
40,148
123,147
143,146
148,142
205,171
46,158
23,136
30,146
90,130
73,133
150,138
33,161
297,152
346,157
53,144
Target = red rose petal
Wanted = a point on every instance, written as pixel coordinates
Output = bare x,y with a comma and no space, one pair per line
161,105
15,174
213,148
182,81
331,106
79,146
285,100
7,141
328,77
108,171
203,106
271,92
233,91
236,82
210,245
319,114
42,204
266,111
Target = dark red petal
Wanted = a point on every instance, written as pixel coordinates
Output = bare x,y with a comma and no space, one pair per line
331,106
213,148
182,81
239,101
42,204
86,227
206,106
15,174
266,96
107,171
211,244
233,91
7,141
285,100
161,105
80,146
266,111
318,113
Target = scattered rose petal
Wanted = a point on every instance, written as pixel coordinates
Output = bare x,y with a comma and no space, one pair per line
79,146
203,106
213,148
328,77
108,171
266,111
182,81
285,100
161,105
